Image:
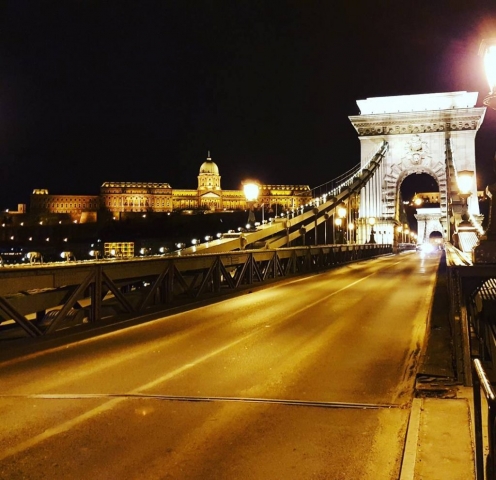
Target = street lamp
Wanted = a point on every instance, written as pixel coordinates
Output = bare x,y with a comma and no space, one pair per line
94,253
399,229
34,257
67,256
485,252
464,180
372,231
251,190
338,222
351,228
342,212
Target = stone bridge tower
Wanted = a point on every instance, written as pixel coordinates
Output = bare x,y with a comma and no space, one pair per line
430,133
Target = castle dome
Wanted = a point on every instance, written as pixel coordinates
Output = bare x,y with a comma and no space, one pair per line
209,167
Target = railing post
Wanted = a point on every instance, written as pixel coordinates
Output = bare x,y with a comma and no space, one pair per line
479,449
96,290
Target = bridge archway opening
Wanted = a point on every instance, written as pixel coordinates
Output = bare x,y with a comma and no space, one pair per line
436,238
417,189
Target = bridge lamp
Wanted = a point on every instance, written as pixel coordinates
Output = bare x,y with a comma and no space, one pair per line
342,210
94,253
488,52
251,190
67,256
34,257
351,228
208,238
465,180
372,231
219,235
485,252
338,222
163,250
195,241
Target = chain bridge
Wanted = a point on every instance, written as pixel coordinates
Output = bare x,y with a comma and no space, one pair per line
399,136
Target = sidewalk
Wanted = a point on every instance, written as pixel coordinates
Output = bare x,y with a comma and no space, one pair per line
439,443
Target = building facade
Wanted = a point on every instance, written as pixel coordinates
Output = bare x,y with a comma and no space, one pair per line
138,197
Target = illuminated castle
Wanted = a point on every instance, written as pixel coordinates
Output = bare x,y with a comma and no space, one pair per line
127,197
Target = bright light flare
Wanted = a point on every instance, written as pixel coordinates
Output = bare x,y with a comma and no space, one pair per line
490,67
251,191
464,181
427,248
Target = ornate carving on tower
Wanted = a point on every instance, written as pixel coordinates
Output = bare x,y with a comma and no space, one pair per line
417,152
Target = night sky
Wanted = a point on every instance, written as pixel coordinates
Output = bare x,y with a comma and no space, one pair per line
94,91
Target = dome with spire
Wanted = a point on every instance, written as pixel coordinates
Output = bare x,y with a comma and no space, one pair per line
209,166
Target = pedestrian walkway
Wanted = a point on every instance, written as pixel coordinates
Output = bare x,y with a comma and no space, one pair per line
439,443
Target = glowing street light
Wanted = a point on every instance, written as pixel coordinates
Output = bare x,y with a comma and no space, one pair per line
94,253
34,257
464,180
251,190
372,231
351,228
68,256
488,51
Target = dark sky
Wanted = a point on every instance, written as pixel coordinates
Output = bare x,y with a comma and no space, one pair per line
94,91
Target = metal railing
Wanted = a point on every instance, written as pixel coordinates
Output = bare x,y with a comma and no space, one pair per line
481,382
45,298
472,293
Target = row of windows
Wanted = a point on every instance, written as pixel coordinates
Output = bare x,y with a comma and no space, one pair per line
51,205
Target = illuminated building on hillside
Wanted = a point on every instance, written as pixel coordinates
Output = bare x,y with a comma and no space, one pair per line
128,197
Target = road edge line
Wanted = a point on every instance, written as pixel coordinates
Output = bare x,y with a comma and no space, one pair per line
411,444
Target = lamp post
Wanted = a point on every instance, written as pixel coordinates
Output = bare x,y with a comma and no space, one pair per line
464,181
338,222
342,212
372,231
485,252
68,256
251,190
351,228
399,230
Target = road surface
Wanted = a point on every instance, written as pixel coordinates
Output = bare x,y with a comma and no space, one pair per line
309,379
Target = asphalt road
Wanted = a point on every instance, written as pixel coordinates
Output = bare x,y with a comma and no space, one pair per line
308,379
